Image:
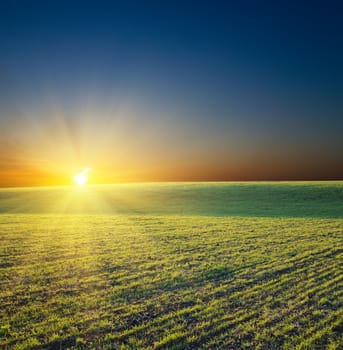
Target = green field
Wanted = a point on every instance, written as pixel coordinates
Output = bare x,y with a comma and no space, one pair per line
172,266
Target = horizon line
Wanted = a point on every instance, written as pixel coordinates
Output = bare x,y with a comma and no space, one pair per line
172,181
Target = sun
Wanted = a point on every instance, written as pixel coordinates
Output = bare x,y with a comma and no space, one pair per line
81,178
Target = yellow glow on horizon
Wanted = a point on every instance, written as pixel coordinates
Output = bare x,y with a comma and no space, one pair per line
51,148
82,177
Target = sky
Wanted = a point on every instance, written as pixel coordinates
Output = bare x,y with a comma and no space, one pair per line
170,91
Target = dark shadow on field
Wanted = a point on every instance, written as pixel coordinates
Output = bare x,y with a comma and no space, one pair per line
214,275
299,199
65,343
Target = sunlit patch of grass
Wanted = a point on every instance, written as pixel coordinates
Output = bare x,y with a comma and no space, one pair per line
170,282
172,266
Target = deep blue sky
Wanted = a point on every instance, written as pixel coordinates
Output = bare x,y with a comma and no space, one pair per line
254,87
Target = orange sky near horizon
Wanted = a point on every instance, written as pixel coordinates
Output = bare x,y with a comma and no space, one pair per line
50,151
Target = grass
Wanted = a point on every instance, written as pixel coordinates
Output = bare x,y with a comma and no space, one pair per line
174,266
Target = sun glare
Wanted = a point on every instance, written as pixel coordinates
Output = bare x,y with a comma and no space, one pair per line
82,177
